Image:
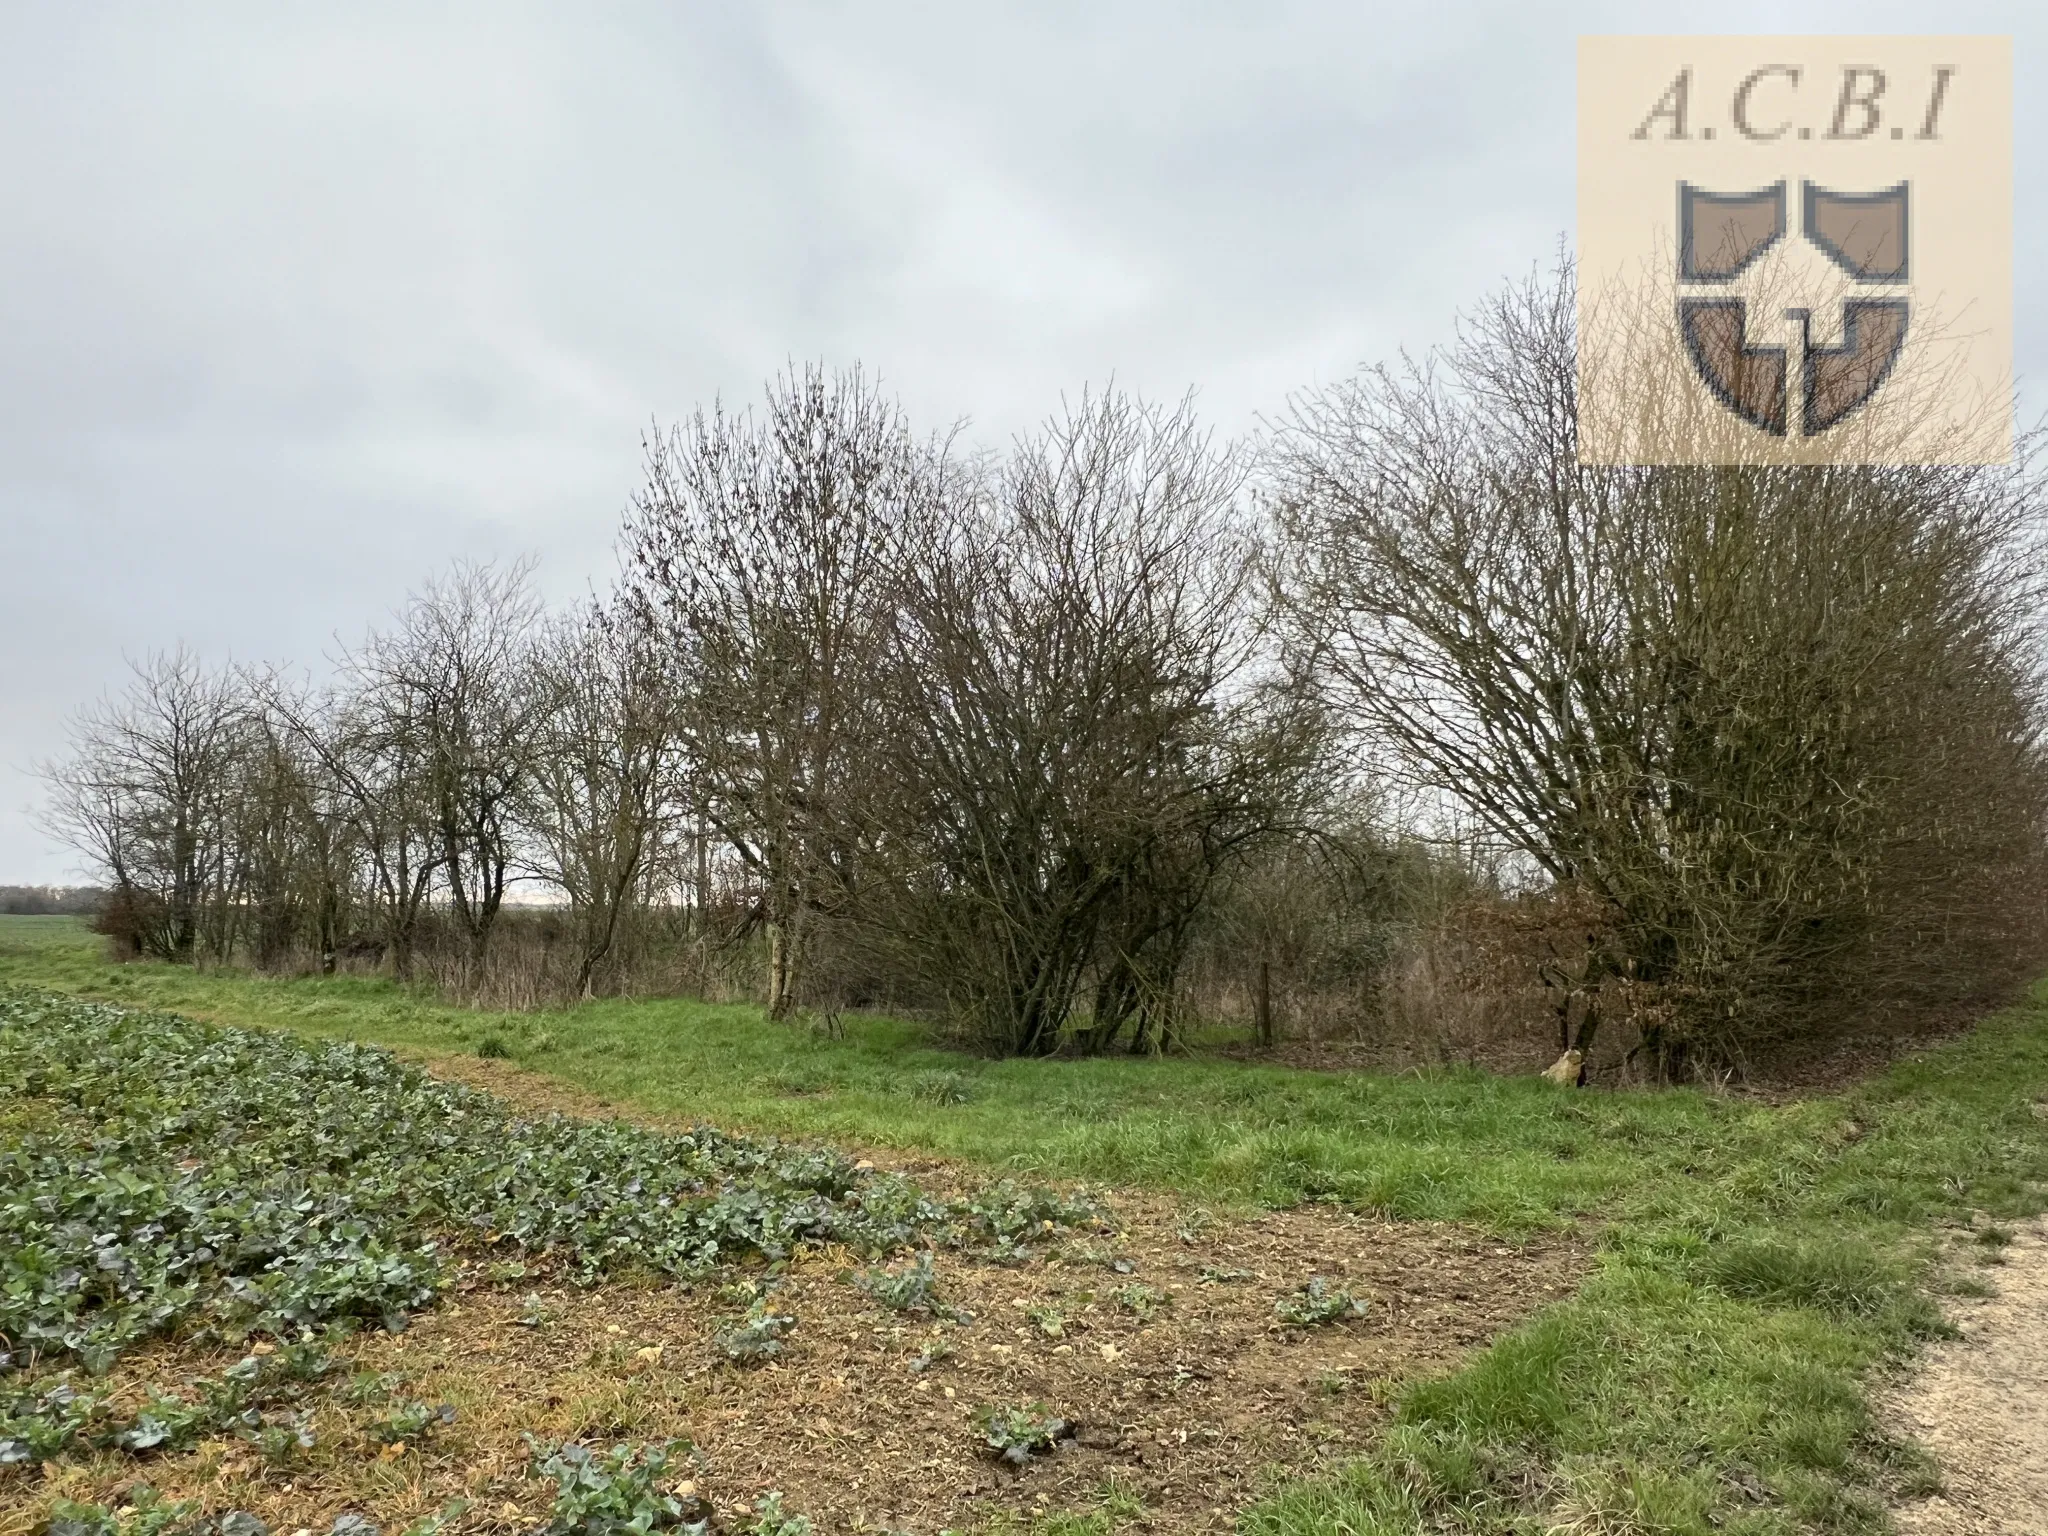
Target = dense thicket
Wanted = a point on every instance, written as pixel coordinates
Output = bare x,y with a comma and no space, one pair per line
1074,744
1784,724
1080,740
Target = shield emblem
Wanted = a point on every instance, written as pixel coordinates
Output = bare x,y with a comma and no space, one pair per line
1721,235
1864,235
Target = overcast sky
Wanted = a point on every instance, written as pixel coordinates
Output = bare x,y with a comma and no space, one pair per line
297,303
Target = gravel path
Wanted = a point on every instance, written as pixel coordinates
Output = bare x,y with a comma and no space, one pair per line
1981,1405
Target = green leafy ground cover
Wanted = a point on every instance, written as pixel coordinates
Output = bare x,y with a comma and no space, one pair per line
160,1177
1760,1263
261,1183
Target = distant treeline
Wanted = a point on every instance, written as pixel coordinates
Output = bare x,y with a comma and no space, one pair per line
50,900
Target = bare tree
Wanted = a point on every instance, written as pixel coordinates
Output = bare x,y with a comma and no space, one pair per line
1780,719
1307,927
1075,741
445,712
146,796
304,821
600,755
368,758
759,557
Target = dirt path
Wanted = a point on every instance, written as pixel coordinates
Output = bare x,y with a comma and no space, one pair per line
1981,1405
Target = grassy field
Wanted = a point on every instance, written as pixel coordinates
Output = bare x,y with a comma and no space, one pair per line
1758,1265
1511,1153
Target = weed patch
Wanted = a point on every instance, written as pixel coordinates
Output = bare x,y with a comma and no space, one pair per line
1318,1304
758,1337
1844,1276
912,1288
598,1493
1017,1434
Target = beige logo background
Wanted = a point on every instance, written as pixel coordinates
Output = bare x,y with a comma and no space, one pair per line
1884,164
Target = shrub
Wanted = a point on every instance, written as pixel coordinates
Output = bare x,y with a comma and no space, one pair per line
1798,787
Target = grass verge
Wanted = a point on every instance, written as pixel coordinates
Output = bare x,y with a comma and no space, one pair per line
1759,1262
1509,1153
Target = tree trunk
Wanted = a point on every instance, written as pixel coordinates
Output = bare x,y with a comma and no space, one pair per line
703,876
1262,1006
1582,1040
778,972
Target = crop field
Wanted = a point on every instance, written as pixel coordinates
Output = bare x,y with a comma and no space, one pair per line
327,1256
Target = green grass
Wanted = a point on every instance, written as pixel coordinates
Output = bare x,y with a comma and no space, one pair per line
1757,1263
1512,1153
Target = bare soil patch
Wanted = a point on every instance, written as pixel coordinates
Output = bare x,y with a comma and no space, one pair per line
1186,1411
1980,1404
1188,1402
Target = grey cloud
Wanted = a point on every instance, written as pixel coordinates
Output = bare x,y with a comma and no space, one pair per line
297,303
